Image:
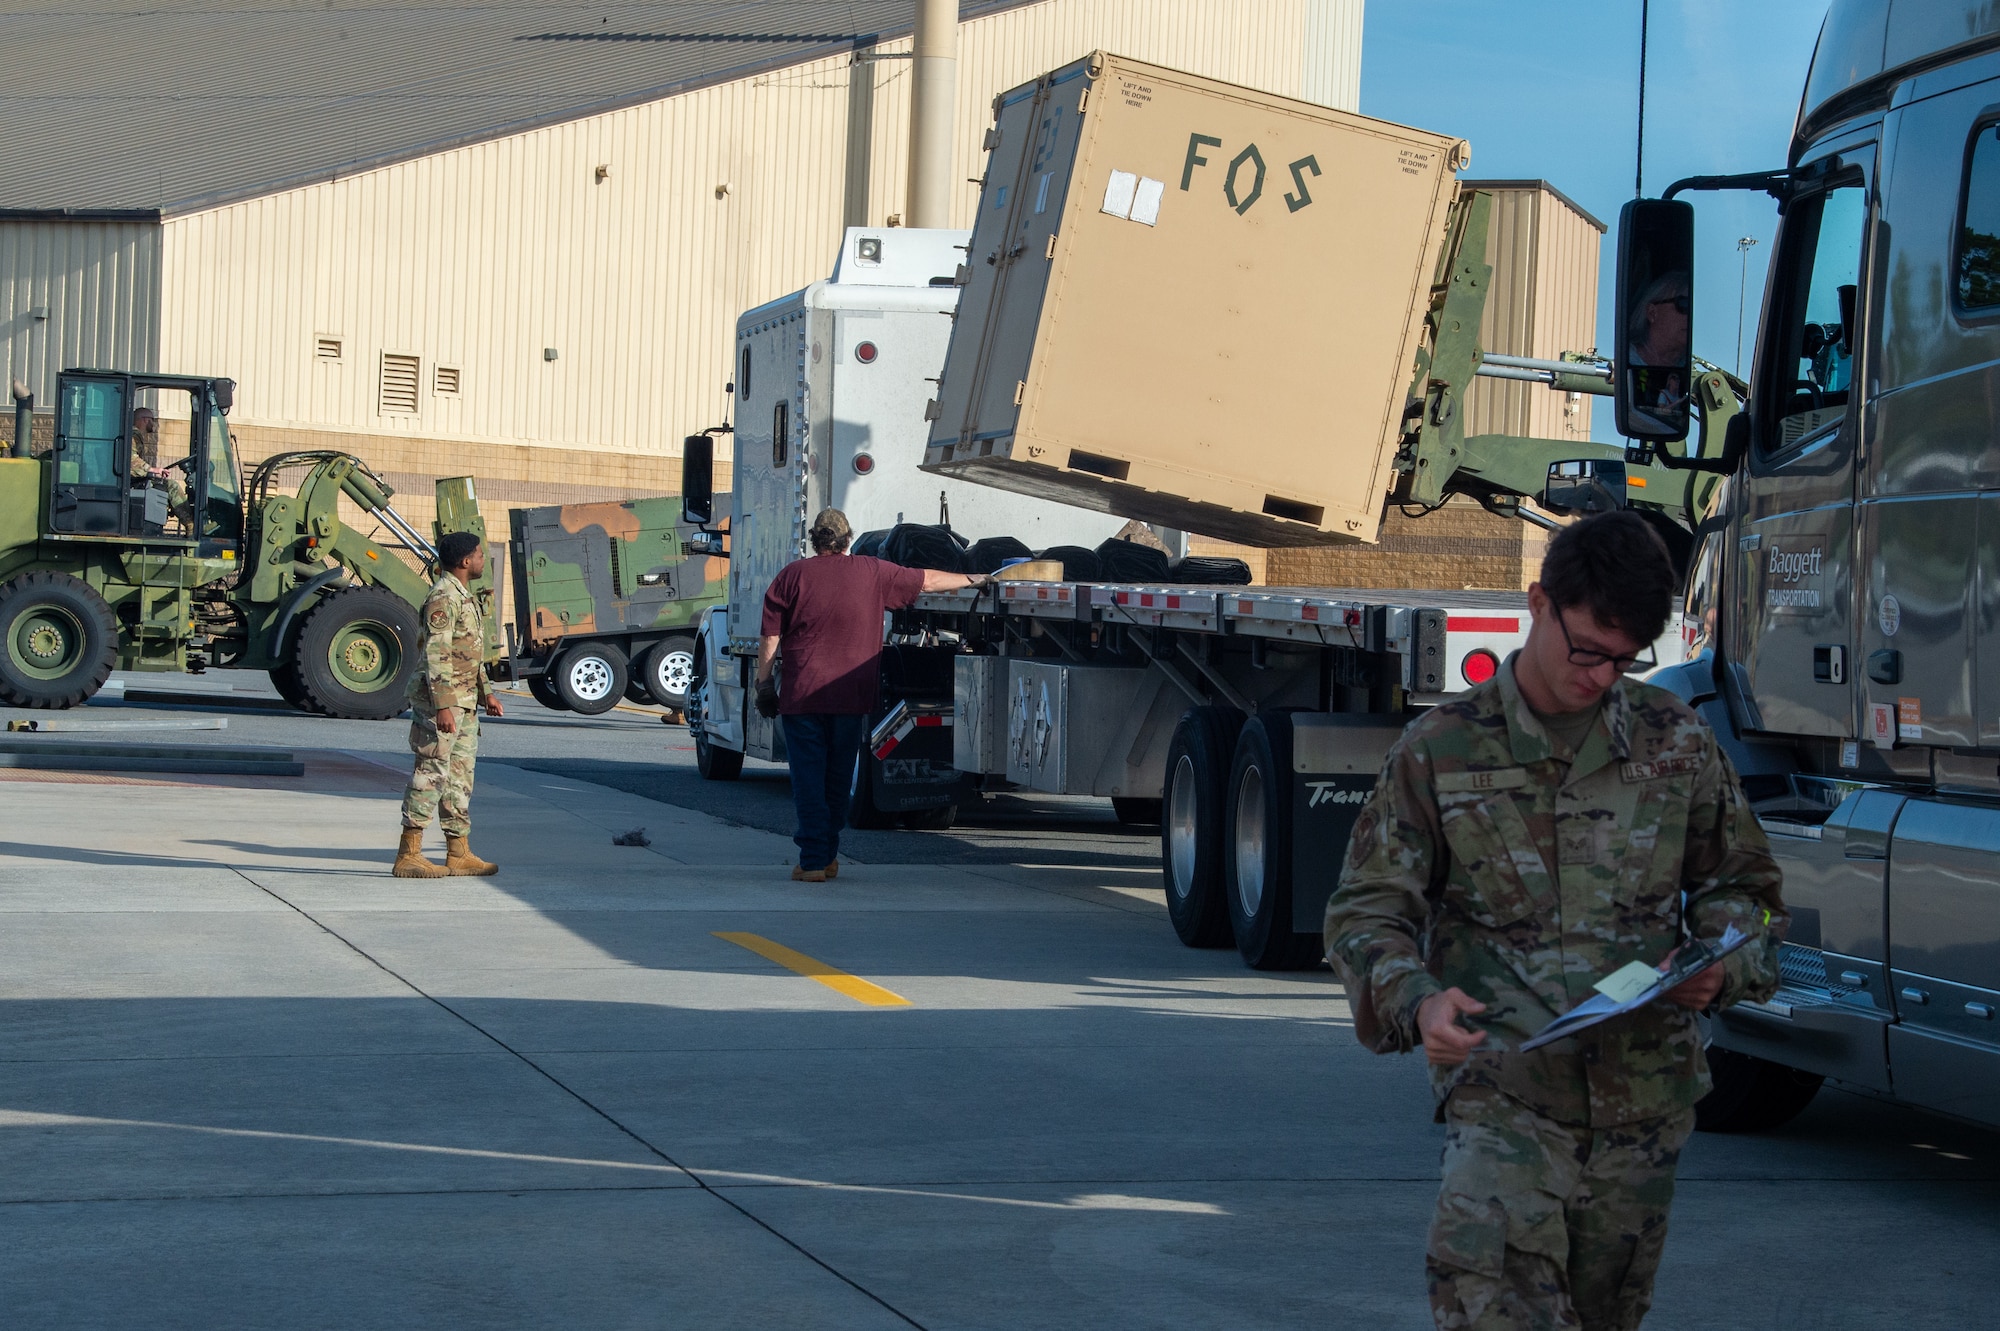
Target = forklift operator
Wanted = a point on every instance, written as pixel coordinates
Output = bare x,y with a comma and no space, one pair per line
145,463
826,614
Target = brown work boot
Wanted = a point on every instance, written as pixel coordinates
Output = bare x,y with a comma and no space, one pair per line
410,861
833,869
460,862
801,875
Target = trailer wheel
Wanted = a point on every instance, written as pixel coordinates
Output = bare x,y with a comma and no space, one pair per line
1193,825
716,764
543,690
1752,1094
939,819
1135,812
355,654
1258,865
591,677
669,671
58,640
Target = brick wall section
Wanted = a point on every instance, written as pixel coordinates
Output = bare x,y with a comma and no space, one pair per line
1454,548
505,476
40,438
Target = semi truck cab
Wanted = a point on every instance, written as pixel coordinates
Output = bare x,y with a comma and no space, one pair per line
1852,573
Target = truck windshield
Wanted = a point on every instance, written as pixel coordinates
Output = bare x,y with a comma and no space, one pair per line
1815,357
222,515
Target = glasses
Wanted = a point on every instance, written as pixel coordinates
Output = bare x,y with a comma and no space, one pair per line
1680,303
1626,664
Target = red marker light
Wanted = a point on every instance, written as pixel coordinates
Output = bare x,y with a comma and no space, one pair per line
1479,666
865,353
863,463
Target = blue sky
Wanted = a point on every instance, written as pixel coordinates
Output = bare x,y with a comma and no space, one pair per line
1549,89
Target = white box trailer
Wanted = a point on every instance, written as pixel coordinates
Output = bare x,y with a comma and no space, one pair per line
829,385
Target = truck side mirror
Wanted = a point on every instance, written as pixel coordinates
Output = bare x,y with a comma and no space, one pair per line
1655,356
225,395
698,479
1585,485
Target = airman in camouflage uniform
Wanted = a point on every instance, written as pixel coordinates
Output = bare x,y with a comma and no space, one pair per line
445,695
1496,874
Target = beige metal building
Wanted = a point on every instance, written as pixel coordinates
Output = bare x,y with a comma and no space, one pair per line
506,241
1542,302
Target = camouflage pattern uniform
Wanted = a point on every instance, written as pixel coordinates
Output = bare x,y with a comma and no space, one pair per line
453,676
1492,859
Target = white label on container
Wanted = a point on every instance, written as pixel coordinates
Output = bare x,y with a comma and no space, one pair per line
1890,616
1882,724
1042,193
1146,202
1118,192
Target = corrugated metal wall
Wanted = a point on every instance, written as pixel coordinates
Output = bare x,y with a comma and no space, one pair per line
1543,302
479,259
1332,72
77,294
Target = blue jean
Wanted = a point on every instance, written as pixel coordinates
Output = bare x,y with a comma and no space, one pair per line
822,747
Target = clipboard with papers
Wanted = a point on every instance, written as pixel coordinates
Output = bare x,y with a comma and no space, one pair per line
1633,986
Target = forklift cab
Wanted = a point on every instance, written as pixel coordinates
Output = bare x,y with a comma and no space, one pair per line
102,487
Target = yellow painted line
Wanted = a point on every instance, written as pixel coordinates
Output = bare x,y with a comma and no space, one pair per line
839,981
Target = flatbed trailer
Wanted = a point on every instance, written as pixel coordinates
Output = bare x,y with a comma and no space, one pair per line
1249,722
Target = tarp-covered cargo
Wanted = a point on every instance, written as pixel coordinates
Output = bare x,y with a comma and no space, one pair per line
1193,304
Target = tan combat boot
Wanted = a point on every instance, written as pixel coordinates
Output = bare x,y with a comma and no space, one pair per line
410,861
460,861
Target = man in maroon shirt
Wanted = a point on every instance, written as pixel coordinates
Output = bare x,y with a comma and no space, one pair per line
824,615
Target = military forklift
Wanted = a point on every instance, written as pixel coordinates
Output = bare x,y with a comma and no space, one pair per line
108,561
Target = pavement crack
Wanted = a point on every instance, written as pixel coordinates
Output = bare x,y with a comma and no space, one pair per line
583,1100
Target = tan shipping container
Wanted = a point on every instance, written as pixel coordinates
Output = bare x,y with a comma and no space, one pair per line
1193,304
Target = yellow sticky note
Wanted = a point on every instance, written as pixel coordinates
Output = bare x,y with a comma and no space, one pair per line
1627,982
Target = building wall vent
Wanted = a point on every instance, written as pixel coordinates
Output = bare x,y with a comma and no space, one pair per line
400,378
446,377
327,348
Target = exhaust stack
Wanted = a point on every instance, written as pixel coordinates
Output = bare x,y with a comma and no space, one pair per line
933,98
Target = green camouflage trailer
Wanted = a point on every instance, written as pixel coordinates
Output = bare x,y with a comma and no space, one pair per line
606,599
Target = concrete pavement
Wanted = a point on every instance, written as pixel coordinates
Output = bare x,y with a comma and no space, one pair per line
250,1080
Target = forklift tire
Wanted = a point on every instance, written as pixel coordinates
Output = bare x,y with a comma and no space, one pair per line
285,679
861,810
58,640
1133,811
356,652
716,764
591,677
669,671
543,691
1752,1094
1193,823
1257,861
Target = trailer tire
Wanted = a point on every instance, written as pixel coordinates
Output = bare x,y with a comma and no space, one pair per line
355,654
669,671
1752,1094
1133,811
939,819
1258,862
591,677
58,640
543,690
716,764
1193,824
